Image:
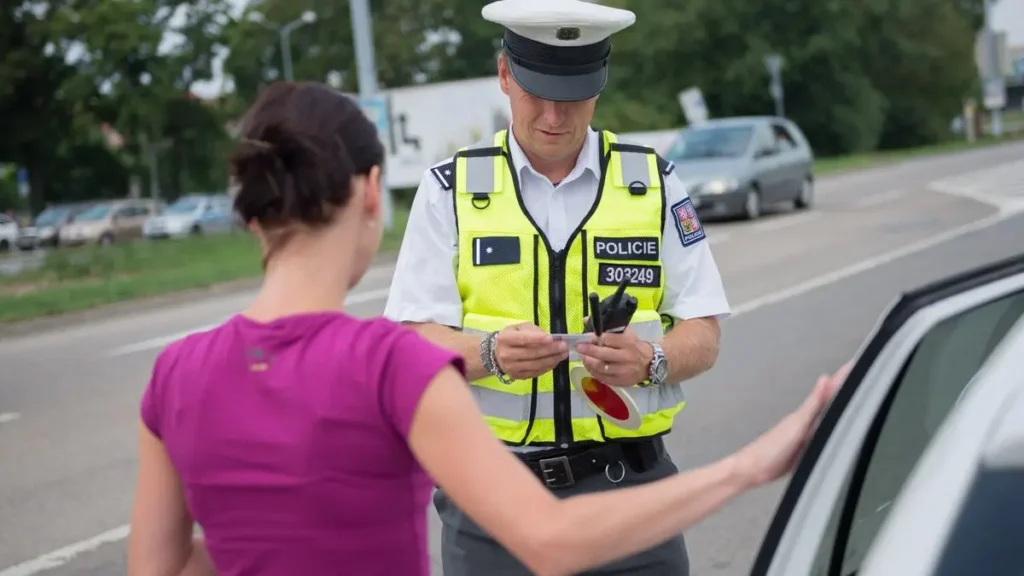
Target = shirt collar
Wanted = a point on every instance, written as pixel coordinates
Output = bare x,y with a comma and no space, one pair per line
588,159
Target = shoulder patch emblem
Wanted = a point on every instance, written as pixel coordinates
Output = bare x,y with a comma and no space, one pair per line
665,166
691,231
445,175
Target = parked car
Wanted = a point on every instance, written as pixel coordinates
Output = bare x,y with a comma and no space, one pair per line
192,215
737,166
108,222
8,232
917,467
45,229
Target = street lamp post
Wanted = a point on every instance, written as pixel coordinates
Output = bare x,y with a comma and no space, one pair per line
993,83
366,68
285,32
774,62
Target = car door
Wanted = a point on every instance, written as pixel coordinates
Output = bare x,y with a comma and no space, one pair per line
791,169
963,506
8,233
767,164
121,222
137,215
908,376
215,216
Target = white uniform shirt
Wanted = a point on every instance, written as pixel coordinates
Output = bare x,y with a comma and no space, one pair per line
424,288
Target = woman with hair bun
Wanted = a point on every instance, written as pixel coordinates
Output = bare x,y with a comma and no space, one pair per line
303,440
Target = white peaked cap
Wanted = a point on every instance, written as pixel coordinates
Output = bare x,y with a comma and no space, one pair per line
540,20
558,49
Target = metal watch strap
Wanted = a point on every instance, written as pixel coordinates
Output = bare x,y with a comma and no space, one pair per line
489,358
658,361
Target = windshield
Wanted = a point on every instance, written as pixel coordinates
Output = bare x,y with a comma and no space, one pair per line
51,216
720,142
93,214
186,205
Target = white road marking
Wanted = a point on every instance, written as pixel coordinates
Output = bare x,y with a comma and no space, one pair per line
868,264
65,555
6,417
1001,186
60,557
884,197
161,341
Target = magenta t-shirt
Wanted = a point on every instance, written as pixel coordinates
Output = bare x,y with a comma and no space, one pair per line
290,440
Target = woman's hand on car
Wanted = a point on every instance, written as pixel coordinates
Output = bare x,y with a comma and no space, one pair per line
774,453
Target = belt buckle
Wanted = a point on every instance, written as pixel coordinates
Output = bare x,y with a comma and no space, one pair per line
556,472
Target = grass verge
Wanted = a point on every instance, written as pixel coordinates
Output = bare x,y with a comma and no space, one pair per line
71,280
826,166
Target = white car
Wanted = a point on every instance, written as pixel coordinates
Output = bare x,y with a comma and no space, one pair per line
8,233
917,467
192,215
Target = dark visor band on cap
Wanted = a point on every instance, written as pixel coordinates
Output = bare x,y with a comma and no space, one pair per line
556,60
557,73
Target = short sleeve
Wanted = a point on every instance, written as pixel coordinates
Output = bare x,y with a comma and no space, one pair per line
693,284
152,404
423,288
410,365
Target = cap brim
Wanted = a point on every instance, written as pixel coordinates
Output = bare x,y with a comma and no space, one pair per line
559,88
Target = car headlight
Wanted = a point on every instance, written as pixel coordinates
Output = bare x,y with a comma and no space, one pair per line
719,186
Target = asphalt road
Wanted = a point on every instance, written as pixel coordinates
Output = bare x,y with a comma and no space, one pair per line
805,287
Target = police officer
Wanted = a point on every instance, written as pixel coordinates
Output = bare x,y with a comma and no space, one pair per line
505,241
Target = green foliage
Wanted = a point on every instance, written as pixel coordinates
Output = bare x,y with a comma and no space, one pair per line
858,76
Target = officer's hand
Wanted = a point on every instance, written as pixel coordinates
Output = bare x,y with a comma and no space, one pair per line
621,359
525,351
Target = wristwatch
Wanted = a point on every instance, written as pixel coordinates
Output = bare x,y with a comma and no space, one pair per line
489,358
657,372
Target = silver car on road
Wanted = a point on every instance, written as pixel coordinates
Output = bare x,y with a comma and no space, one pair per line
917,467
737,166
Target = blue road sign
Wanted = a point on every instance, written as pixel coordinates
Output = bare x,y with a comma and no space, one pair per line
22,176
376,109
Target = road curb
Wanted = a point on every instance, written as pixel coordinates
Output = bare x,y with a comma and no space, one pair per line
60,321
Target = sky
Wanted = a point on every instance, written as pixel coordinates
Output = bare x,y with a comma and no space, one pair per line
1007,16
212,88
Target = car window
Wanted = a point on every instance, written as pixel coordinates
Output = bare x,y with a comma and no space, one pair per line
4,220
783,139
763,140
705,142
929,386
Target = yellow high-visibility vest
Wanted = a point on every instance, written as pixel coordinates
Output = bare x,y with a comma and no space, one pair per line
507,274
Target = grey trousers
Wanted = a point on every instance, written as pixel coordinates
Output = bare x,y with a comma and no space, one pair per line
466,550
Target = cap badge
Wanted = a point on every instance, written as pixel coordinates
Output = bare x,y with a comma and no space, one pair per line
572,33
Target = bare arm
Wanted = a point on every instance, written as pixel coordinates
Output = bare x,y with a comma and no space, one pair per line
691,348
160,542
552,537
466,345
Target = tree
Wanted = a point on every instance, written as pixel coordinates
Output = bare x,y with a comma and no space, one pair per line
37,115
934,71
405,44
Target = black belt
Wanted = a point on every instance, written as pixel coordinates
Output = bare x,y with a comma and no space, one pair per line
562,469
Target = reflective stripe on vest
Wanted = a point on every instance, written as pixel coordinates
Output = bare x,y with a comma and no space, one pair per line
507,274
